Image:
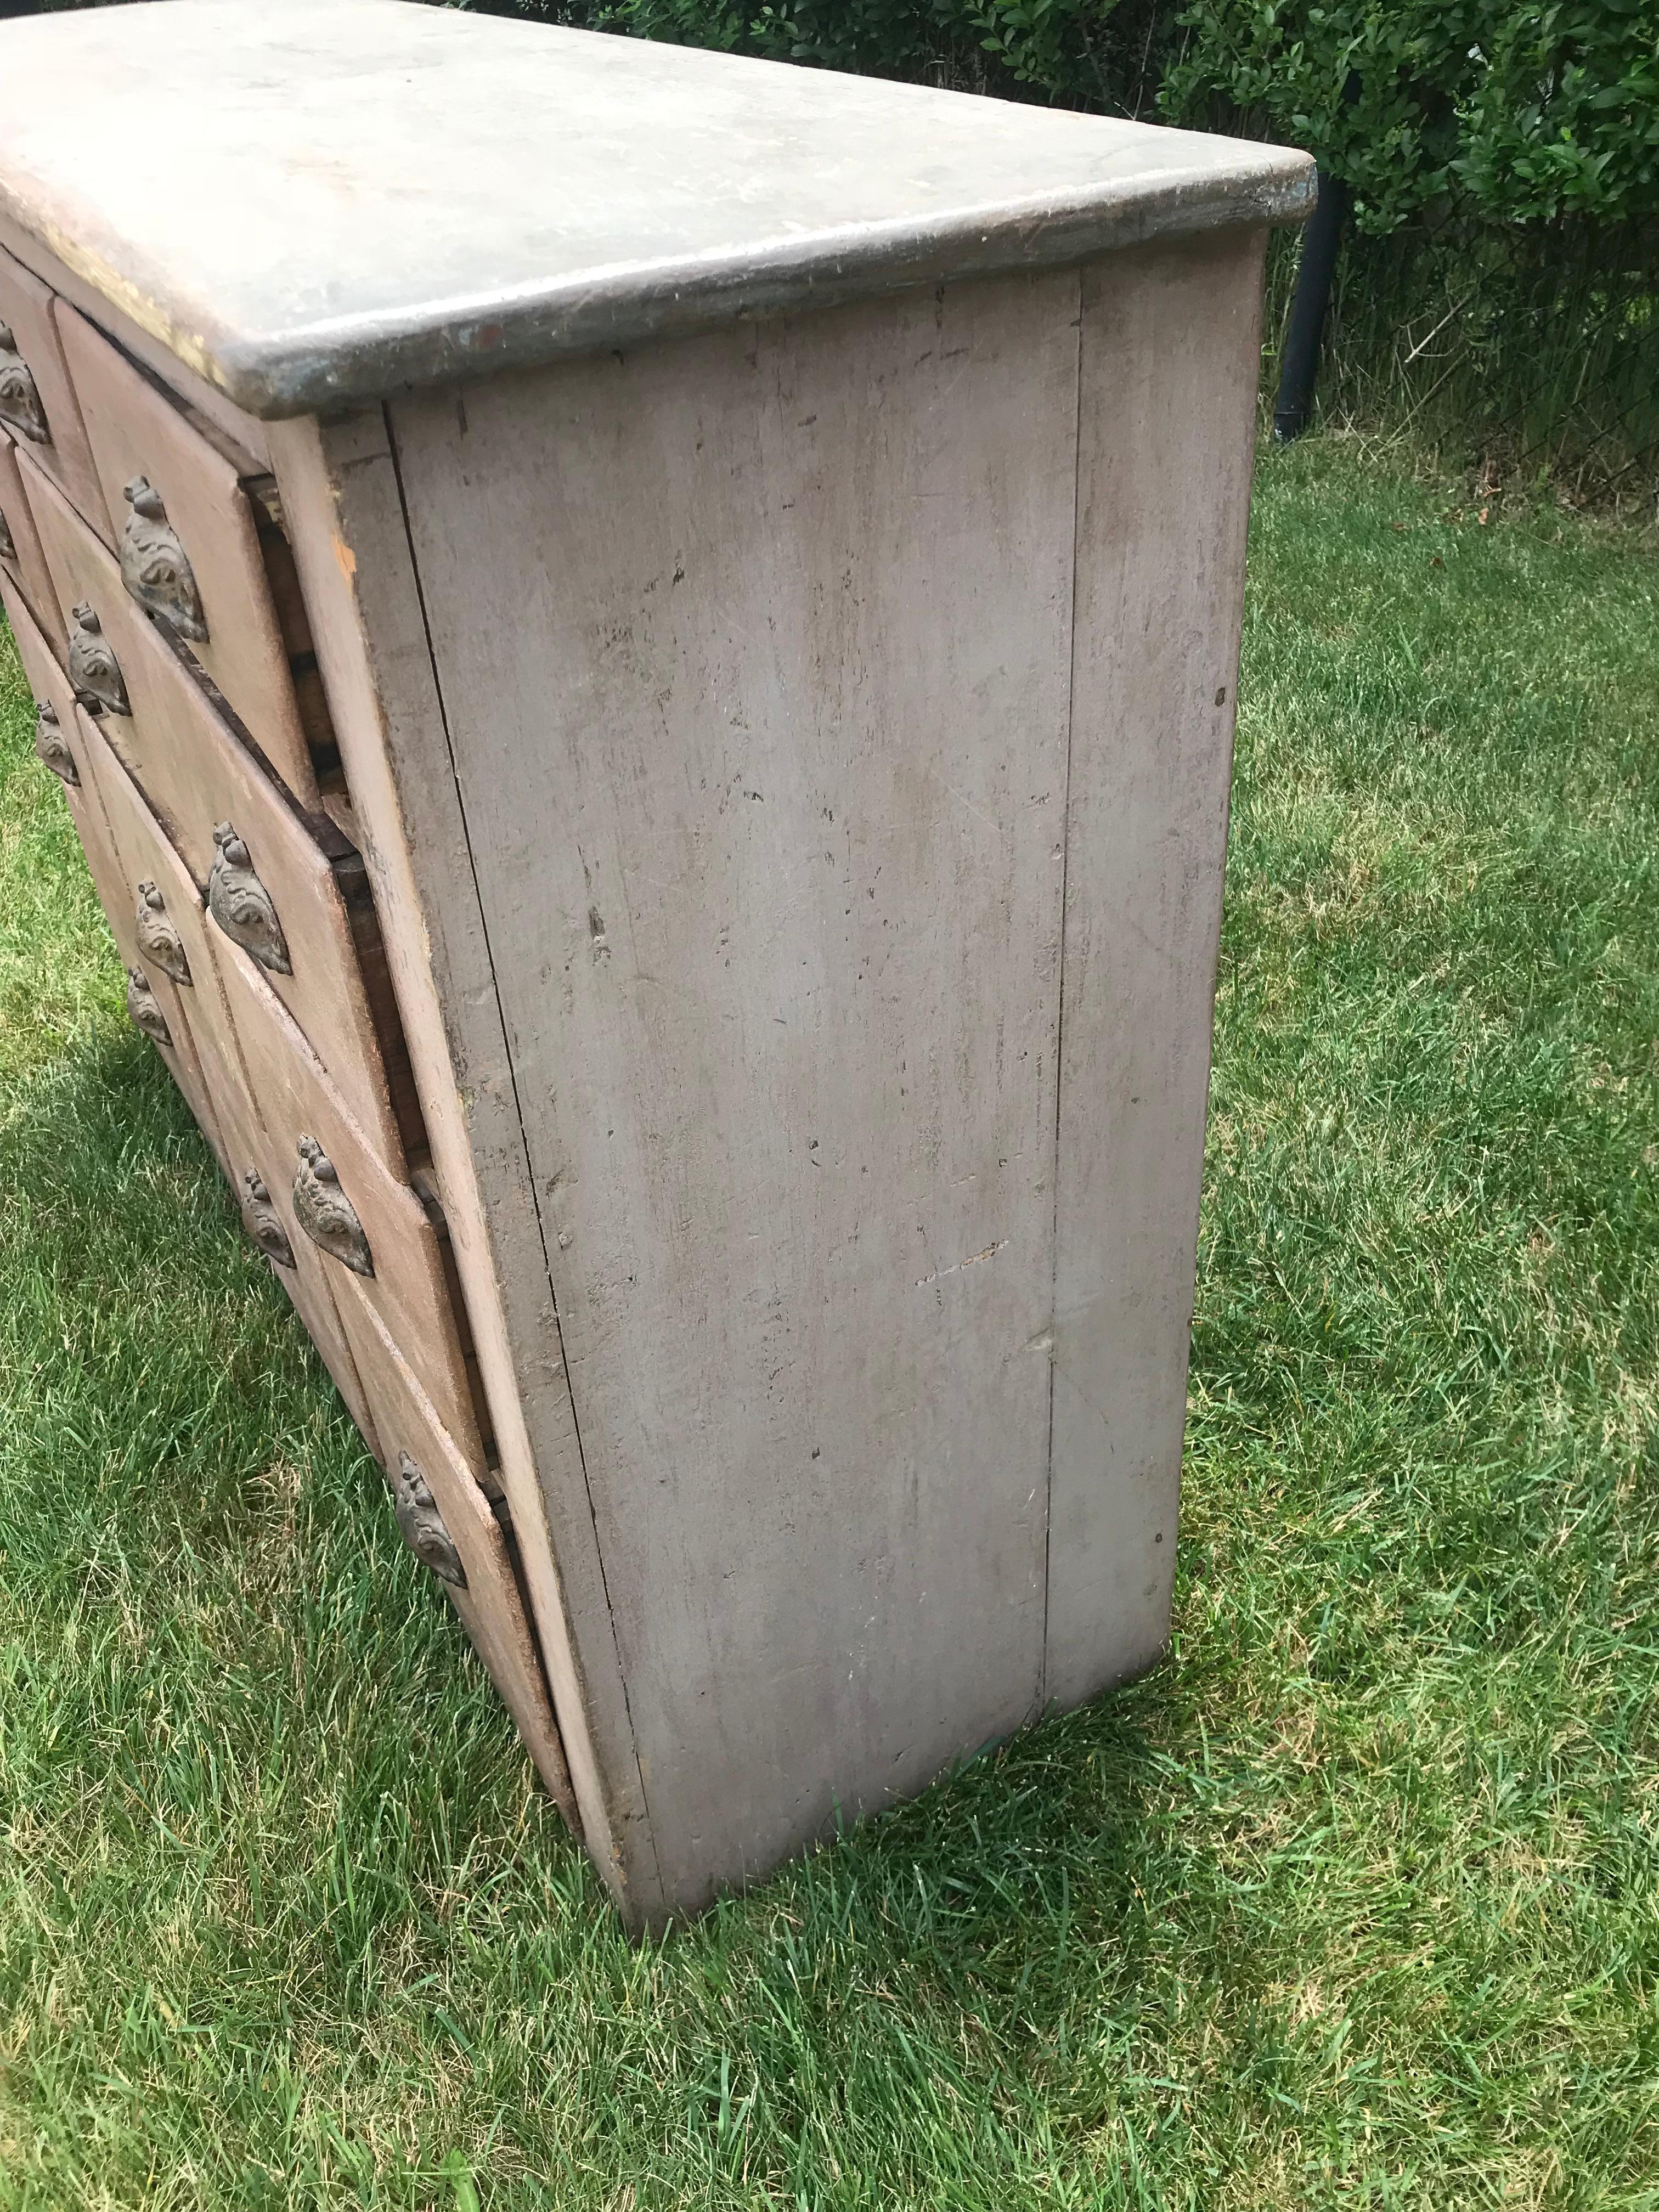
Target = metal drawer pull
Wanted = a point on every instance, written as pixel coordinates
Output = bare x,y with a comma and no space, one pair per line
325,1213
155,567
8,542
93,670
241,905
142,1010
157,937
20,402
51,744
422,1525
262,1221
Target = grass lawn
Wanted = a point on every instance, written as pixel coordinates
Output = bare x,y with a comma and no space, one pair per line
1354,1900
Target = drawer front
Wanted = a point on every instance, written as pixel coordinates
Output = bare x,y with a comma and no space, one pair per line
147,986
38,403
168,919
217,597
363,1206
48,684
143,856
298,1266
51,687
20,542
197,775
463,1538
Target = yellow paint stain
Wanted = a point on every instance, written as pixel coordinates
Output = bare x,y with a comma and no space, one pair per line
190,347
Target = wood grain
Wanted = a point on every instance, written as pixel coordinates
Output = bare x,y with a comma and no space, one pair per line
306,1284
28,571
194,772
754,651
26,304
135,430
1170,342
146,855
406,1421
295,1098
104,861
42,668
341,496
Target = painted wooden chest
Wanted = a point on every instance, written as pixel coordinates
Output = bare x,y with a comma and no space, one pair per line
642,648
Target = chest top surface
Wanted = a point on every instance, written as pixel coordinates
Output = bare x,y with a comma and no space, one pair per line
320,201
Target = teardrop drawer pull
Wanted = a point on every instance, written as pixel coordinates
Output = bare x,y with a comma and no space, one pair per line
263,1223
142,1010
20,402
241,905
155,567
325,1213
8,542
51,744
422,1525
158,937
93,670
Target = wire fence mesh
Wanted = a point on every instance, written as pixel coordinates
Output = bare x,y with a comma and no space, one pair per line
1534,351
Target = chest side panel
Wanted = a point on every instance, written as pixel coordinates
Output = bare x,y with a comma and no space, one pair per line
755,654
1170,353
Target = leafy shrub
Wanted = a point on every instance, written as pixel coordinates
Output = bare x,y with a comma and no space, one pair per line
1529,111
1533,111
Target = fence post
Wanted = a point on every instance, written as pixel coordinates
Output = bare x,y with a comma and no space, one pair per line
1313,293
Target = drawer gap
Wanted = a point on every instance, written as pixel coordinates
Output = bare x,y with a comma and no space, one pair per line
282,578
227,713
209,432
352,877
424,1184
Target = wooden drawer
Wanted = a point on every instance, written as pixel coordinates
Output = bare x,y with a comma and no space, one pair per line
26,306
411,1436
218,602
161,903
20,541
145,858
51,687
297,1265
48,686
407,1287
197,776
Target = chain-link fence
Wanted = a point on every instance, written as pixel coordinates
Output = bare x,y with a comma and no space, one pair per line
1532,351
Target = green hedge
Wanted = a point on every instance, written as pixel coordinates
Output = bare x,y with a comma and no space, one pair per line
1529,111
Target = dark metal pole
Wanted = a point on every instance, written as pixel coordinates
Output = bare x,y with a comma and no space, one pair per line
1313,295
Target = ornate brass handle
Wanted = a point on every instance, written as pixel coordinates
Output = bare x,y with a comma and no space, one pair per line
325,1213
241,905
158,937
51,744
422,1525
142,1010
262,1221
19,402
93,670
155,567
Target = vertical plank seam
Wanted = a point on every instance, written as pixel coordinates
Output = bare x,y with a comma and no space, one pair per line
513,1076
1060,990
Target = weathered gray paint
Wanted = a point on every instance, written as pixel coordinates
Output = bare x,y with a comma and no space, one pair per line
318,201
1169,349
340,495
787,722
755,655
